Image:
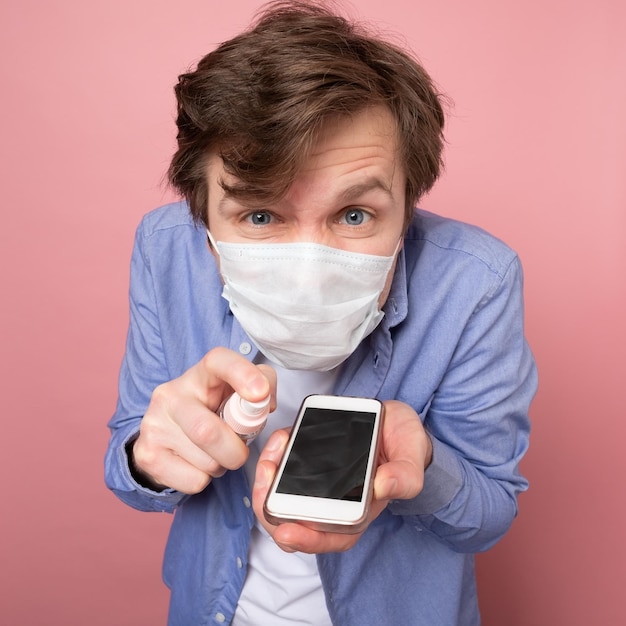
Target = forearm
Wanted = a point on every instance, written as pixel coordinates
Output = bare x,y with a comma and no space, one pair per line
463,507
479,425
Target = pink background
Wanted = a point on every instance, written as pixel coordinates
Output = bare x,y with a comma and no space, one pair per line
536,154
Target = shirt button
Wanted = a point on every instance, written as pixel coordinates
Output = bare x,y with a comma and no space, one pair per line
247,502
239,562
245,348
220,617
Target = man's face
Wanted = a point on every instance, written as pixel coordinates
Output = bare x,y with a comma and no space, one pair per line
350,194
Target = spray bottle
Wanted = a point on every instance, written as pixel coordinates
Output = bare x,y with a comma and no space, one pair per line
246,418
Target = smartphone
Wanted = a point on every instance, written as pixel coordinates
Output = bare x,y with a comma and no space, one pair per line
326,476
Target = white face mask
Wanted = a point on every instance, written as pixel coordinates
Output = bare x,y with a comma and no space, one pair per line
305,306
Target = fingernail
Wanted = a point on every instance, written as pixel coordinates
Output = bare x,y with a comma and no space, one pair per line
257,384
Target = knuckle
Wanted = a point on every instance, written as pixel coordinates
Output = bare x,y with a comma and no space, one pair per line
152,434
146,458
150,424
212,356
160,395
197,483
203,433
160,402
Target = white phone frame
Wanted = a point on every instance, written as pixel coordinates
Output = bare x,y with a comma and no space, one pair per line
327,514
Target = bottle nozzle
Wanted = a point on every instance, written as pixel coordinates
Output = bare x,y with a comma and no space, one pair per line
254,408
246,418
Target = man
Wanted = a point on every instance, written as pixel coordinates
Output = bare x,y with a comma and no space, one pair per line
305,143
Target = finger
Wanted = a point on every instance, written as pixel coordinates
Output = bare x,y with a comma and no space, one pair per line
183,466
402,431
299,538
275,447
263,478
269,373
265,472
188,428
405,448
205,438
218,366
165,468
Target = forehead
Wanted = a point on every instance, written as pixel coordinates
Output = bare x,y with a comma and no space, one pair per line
372,130
343,143
351,156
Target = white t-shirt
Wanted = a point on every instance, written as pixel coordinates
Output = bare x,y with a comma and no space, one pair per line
282,589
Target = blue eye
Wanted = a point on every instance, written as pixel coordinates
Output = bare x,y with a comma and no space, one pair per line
260,218
355,217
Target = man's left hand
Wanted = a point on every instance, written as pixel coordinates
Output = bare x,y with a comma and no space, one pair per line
406,451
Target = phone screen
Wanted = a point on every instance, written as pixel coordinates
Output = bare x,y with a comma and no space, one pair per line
329,455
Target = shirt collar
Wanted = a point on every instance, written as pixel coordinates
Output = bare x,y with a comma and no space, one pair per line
396,306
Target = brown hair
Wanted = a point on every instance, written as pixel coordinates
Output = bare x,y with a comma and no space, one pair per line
261,97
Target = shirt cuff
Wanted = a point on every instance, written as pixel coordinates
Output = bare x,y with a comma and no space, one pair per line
139,495
443,479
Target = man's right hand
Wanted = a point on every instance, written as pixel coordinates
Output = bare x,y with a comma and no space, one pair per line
182,441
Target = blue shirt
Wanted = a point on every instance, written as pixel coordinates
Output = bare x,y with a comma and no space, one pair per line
451,345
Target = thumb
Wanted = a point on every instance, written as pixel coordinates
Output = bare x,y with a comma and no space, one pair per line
266,467
398,480
275,447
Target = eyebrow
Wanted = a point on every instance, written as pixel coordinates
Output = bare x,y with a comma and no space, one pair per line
347,195
359,189
225,200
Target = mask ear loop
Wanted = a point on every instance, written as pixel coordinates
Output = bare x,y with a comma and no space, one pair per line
212,241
